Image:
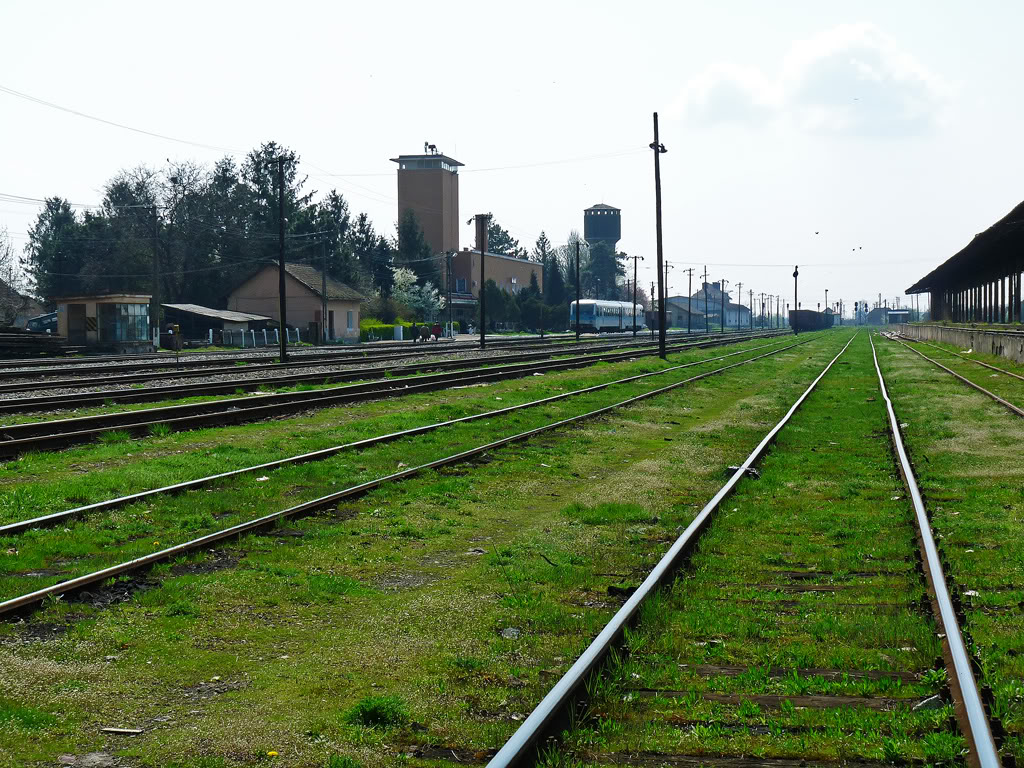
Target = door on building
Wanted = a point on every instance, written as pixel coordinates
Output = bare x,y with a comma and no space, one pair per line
76,323
330,324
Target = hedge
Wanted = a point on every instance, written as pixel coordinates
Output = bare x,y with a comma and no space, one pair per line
386,331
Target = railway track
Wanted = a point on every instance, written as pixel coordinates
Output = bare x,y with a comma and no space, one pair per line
306,356
56,518
51,435
147,369
598,713
959,377
28,601
267,353
243,378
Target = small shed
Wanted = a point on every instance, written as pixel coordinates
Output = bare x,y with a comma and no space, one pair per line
197,321
114,321
897,316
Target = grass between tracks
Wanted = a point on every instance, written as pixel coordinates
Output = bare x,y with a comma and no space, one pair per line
41,483
1006,387
966,451
456,596
806,570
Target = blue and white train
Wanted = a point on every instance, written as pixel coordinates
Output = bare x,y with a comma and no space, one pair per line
605,316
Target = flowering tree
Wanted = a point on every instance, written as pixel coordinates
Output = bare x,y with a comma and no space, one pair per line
424,300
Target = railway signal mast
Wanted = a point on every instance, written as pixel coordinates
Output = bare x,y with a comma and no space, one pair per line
659,150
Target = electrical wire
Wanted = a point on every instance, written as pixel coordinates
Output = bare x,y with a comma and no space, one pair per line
69,110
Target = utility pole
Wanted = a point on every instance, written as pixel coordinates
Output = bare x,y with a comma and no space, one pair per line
659,150
481,243
796,306
323,291
154,306
635,259
451,311
689,296
707,323
739,304
722,325
577,290
751,309
283,338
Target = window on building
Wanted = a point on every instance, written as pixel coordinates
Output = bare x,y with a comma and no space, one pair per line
460,285
349,319
123,322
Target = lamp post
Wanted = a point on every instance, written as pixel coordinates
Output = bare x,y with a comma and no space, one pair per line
796,305
659,150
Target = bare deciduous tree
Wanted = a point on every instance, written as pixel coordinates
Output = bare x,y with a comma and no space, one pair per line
13,300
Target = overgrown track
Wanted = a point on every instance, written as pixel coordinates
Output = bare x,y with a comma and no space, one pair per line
962,356
202,361
1003,402
30,600
110,504
243,378
147,369
601,712
61,433
261,354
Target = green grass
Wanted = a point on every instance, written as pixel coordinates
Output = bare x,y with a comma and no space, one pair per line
828,511
966,453
378,712
431,620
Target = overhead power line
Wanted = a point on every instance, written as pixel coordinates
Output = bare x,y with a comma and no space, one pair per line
144,132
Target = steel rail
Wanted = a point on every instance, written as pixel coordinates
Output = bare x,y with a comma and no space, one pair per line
50,366
17,438
522,748
268,353
33,598
970,710
168,370
102,506
960,355
246,382
1006,403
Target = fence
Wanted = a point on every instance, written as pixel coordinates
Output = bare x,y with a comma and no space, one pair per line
262,338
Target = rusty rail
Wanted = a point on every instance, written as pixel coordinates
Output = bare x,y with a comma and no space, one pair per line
966,698
31,599
522,748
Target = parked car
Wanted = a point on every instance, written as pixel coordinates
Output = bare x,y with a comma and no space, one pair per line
42,323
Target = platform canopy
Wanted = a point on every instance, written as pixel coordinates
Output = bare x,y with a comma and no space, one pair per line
991,255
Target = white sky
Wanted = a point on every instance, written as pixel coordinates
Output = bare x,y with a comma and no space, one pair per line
893,127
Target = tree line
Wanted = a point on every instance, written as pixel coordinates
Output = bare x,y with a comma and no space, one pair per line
214,226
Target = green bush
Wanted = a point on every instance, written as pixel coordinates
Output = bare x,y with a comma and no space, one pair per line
382,330
378,711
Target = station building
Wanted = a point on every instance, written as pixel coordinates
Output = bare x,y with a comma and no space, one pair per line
116,322
307,292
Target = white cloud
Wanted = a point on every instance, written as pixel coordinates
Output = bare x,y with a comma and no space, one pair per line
851,79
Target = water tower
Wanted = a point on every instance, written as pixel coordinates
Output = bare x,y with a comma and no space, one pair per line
602,224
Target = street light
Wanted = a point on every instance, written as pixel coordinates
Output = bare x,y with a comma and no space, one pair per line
796,305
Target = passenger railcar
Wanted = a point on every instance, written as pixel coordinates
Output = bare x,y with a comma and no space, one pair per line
606,316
